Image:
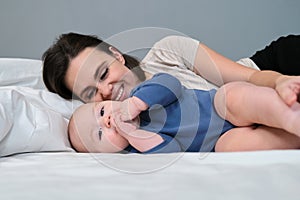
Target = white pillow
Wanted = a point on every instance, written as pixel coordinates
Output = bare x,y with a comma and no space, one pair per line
32,119
21,72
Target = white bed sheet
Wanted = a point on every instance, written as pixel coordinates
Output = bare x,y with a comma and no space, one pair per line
250,175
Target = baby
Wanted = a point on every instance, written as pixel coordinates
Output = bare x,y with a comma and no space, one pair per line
162,116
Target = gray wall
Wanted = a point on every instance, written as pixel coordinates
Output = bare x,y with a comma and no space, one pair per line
235,28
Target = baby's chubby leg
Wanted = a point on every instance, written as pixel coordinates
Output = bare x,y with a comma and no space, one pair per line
244,104
254,138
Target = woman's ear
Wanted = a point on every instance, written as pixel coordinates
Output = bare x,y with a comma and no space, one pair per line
117,54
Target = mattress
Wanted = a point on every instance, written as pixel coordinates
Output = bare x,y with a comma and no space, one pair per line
247,175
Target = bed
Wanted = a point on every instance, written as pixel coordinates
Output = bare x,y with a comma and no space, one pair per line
37,162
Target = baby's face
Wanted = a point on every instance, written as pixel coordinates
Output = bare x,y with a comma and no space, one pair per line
91,128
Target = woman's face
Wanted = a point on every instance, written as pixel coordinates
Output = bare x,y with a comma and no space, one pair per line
93,75
92,128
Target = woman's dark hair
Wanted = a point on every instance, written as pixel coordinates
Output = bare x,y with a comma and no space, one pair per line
56,60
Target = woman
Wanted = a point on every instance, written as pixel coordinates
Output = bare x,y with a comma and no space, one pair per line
93,70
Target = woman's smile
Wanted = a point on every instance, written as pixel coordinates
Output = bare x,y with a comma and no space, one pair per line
119,93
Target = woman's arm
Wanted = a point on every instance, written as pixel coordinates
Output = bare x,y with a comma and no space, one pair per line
188,53
220,70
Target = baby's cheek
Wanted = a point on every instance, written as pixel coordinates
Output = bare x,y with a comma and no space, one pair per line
117,142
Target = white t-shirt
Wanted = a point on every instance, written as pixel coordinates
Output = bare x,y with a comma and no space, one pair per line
174,55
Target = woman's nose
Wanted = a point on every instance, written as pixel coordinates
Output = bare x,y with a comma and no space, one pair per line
105,90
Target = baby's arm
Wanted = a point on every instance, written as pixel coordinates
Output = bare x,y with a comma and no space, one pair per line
126,125
131,108
140,139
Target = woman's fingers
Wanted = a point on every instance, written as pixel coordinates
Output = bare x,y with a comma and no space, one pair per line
288,87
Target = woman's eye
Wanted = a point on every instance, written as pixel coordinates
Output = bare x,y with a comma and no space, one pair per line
91,93
100,133
103,76
102,111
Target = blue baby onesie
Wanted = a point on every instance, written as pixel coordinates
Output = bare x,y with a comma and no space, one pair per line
185,118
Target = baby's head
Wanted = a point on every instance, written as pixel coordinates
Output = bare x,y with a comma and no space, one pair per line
90,129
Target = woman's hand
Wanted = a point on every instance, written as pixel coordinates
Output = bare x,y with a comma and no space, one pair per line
288,87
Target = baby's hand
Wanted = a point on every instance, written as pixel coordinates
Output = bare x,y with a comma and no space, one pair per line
124,128
129,109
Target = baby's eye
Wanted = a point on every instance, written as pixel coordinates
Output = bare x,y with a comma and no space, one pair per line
100,133
102,111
